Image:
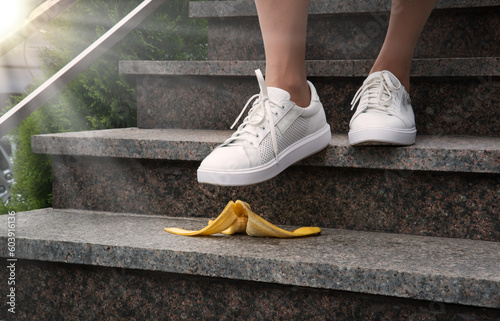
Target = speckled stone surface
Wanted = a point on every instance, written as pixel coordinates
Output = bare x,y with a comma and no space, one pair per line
58,291
442,105
437,269
430,67
410,202
448,33
241,8
431,153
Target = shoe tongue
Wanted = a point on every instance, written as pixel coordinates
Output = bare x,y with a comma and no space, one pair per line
373,75
277,94
388,76
384,76
394,80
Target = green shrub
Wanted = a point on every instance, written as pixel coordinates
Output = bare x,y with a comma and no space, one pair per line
99,97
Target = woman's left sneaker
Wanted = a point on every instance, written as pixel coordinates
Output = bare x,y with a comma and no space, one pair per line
384,115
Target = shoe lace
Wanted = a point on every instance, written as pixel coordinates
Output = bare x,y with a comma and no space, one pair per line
262,110
376,94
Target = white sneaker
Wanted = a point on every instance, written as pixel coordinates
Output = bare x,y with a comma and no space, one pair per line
275,134
384,115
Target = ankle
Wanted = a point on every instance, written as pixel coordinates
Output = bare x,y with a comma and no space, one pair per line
300,94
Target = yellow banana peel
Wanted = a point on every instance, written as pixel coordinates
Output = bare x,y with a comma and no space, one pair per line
238,217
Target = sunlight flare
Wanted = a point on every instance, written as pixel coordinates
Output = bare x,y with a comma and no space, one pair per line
12,14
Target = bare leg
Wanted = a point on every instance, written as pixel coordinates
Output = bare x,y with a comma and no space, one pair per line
406,22
283,24
245,157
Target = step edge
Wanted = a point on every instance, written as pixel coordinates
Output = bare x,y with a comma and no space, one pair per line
234,9
434,153
422,67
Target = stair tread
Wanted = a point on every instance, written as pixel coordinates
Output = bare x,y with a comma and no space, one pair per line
418,267
220,9
428,67
430,153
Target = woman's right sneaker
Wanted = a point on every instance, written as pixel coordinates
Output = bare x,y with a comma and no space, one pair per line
384,115
275,134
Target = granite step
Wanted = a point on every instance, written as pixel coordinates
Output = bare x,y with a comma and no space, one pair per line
380,265
442,186
78,292
354,29
430,153
245,8
450,96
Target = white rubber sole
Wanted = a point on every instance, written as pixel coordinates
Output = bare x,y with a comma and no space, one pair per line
299,150
382,136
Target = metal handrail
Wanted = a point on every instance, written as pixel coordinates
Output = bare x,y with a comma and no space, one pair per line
59,80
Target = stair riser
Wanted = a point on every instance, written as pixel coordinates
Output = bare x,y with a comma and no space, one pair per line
448,33
421,203
77,292
443,106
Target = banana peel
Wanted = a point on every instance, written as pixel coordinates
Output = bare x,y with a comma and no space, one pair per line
238,217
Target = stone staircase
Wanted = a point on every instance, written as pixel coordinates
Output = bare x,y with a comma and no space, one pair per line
410,233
